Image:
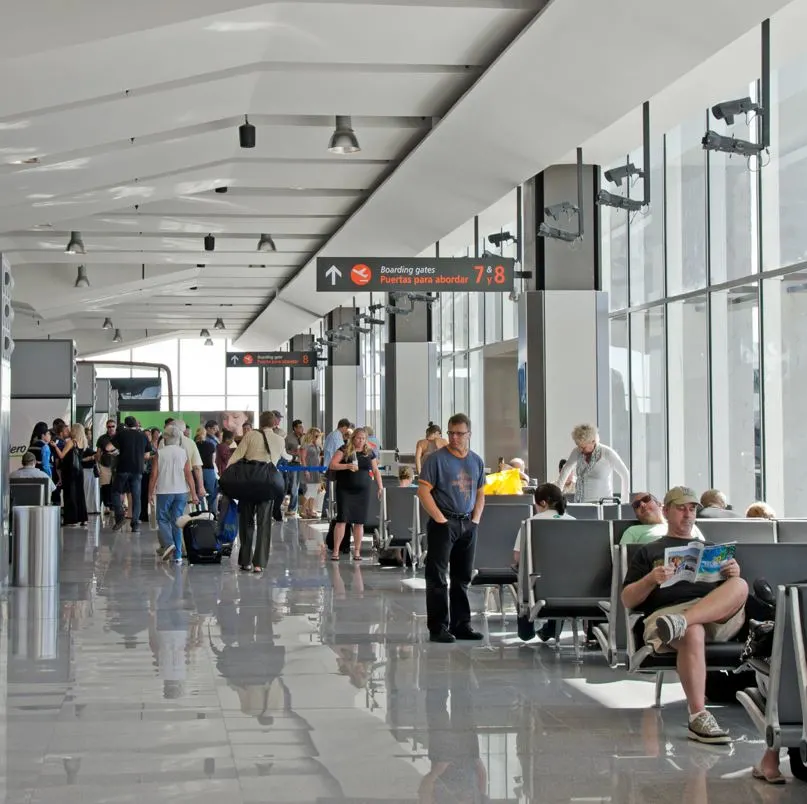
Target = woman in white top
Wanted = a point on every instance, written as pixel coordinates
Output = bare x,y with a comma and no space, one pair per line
253,447
170,480
549,504
594,464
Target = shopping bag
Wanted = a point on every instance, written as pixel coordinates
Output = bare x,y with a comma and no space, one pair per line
506,482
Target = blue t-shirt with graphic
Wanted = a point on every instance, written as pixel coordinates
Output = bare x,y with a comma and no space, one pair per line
453,481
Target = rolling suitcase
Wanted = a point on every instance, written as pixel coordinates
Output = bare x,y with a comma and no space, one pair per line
202,545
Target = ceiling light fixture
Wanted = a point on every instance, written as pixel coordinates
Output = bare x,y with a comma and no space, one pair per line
107,324
219,324
204,333
210,243
209,342
246,134
117,337
75,245
266,243
82,280
344,139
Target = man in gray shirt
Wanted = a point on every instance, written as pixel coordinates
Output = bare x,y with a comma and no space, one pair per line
29,470
449,491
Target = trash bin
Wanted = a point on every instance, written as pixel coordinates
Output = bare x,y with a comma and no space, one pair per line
36,545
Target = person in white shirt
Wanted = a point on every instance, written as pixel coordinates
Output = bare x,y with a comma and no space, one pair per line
168,488
594,464
29,470
192,451
253,447
549,504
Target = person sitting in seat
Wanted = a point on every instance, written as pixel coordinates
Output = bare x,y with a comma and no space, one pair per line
549,504
652,524
29,470
714,505
683,616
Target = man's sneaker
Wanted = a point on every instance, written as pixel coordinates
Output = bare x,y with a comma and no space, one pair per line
444,635
671,627
468,633
167,552
704,729
119,525
160,550
178,562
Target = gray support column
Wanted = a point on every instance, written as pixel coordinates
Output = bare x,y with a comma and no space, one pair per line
273,389
6,348
563,373
344,383
411,387
563,347
301,389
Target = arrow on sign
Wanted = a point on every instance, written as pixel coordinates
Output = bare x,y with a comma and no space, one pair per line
333,273
235,360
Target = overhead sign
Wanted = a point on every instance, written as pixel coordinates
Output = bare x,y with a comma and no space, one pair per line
271,359
427,274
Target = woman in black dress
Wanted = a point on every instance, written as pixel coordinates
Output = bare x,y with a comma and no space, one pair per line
355,467
72,468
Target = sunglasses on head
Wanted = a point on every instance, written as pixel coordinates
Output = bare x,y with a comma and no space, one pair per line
641,501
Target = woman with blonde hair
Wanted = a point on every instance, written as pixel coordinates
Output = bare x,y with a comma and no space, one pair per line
594,463
311,449
354,466
72,468
92,490
760,510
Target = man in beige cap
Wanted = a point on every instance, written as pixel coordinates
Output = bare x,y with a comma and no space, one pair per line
684,616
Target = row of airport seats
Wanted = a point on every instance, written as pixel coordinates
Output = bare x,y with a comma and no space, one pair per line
574,570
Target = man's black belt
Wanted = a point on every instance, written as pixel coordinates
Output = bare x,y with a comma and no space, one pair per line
454,515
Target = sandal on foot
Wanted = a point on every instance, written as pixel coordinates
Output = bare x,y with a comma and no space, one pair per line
335,558
758,773
357,558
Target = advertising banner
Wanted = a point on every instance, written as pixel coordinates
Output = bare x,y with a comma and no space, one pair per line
233,420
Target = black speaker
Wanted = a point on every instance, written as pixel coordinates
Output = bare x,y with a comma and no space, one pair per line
246,134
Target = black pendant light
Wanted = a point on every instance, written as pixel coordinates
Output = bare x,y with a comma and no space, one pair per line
246,134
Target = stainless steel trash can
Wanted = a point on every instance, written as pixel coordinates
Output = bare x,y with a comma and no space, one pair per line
36,545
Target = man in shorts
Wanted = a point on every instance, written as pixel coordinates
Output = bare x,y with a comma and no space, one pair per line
684,616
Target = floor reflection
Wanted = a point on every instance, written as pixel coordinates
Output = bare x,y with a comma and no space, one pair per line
136,680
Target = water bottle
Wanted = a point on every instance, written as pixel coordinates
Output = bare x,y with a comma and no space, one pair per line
355,460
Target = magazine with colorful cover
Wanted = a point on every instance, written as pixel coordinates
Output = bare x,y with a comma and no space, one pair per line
697,562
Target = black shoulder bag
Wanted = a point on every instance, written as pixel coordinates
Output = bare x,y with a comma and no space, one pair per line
253,481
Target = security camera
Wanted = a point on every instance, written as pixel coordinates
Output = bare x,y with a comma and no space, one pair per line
421,297
712,141
618,201
727,110
618,174
497,240
556,234
566,208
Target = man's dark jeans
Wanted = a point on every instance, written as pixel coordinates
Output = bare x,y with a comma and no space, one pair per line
122,483
452,543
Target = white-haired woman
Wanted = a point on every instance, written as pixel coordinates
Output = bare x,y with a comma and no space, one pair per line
594,464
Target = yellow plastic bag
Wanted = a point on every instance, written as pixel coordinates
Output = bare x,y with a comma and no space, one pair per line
506,482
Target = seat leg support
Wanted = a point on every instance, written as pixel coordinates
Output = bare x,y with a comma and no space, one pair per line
659,685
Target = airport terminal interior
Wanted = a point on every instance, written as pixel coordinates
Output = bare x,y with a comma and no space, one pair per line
328,325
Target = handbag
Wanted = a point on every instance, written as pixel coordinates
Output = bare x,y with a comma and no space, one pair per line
253,481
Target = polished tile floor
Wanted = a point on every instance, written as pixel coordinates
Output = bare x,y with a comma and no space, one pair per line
136,681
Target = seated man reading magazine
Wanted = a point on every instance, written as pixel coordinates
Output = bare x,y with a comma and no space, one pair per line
682,614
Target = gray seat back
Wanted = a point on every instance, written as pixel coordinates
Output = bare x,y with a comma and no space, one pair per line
373,509
587,511
571,558
791,531
798,609
508,499
29,490
615,512
776,563
619,527
496,535
750,531
399,511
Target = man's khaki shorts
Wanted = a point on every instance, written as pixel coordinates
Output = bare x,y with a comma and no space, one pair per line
715,632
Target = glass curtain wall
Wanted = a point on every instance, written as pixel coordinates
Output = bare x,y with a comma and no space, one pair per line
708,297
199,373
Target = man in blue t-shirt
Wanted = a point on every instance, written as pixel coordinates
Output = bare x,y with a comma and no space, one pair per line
448,489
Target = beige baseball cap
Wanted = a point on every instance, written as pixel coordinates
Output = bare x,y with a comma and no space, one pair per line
681,495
